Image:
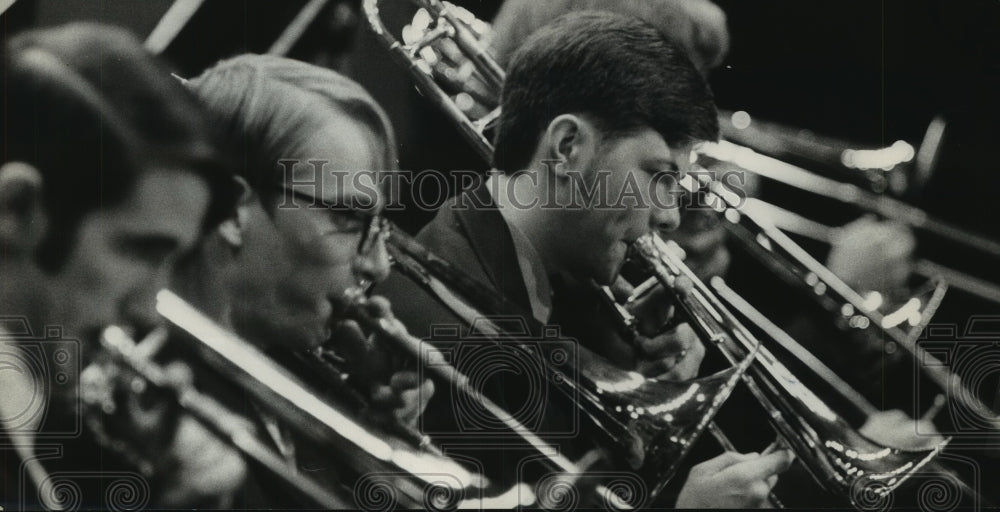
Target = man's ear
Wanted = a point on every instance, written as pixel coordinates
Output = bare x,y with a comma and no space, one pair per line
231,229
570,141
23,222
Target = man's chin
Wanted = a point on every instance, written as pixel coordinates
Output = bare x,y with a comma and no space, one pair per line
605,276
611,270
312,339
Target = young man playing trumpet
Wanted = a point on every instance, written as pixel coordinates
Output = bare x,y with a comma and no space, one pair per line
108,175
605,102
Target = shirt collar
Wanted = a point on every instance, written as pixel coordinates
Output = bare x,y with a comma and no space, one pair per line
536,280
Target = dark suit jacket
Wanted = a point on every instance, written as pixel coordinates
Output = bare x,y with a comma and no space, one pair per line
471,234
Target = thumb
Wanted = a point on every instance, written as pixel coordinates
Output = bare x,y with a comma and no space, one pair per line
724,461
767,465
379,307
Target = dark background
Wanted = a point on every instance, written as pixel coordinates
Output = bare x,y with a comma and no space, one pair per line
875,72
866,71
870,72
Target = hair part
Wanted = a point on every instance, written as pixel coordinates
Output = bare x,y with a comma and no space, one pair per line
267,108
698,26
91,110
620,71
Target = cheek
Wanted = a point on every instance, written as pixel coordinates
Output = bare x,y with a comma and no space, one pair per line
615,223
319,270
321,281
94,285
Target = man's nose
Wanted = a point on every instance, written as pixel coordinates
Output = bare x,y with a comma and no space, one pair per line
139,307
666,205
664,220
373,266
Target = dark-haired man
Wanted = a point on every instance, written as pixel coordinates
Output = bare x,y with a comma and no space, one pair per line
605,102
107,176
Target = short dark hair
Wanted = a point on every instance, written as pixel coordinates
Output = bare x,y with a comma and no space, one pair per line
91,110
264,108
619,70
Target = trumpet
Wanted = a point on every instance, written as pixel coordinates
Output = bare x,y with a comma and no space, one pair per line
417,477
436,24
653,422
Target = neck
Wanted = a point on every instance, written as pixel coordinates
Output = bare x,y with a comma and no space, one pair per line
519,197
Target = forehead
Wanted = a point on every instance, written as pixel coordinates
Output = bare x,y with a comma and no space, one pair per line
164,202
350,163
648,144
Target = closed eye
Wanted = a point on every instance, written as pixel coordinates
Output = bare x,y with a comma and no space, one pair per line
661,172
152,250
348,221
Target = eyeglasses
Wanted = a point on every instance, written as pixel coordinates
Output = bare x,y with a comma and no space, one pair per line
372,226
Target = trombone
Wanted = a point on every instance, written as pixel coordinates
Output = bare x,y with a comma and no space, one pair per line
424,479
786,259
796,224
652,422
427,56
885,207
839,458
222,422
897,168
438,23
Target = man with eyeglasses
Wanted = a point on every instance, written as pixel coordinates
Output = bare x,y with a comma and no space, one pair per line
305,236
